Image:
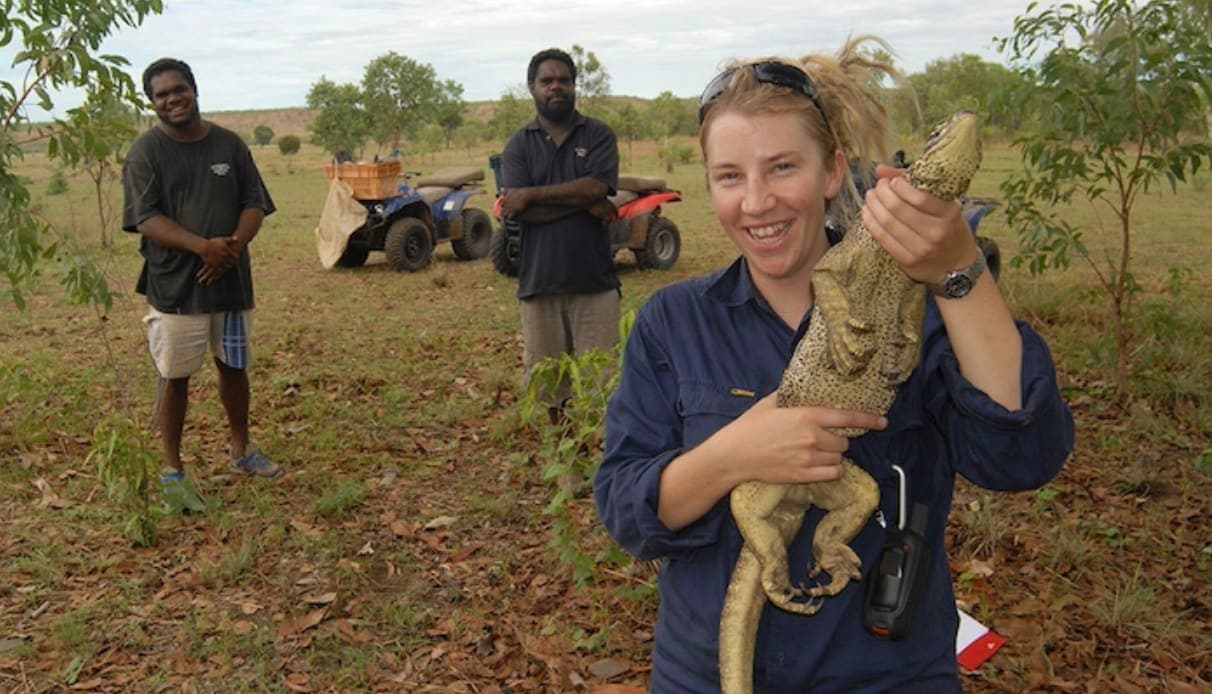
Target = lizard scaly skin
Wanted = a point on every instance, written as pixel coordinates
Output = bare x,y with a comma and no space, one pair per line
862,342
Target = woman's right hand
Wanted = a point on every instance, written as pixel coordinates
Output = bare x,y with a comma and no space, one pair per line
789,445
782,445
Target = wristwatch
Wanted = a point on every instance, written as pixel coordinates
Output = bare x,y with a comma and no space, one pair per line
957,283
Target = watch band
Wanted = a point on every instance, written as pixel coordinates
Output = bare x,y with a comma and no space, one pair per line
957,283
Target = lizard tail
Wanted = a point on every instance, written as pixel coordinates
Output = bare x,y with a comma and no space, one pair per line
739,624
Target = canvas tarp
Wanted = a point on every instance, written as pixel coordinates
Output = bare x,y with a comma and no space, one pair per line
342,215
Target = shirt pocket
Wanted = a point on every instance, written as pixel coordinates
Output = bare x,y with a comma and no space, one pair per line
705,408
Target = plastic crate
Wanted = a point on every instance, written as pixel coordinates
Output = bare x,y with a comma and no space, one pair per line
374,181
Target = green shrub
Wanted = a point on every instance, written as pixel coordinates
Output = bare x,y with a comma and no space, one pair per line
289,144
127,465
57,185
675,153
572,448
263,135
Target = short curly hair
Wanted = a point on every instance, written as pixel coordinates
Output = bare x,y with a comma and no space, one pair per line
550,54
165,65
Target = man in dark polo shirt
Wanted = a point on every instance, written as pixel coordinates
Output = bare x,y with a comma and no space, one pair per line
557,173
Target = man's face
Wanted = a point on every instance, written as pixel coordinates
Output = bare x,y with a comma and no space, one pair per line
554,92
175,102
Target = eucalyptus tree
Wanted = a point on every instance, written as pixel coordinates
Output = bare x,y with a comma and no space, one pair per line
400,96
341,122
1111,96
58,49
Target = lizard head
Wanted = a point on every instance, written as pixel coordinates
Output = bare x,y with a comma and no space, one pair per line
951,158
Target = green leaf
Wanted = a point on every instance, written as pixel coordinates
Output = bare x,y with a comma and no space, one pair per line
1203,462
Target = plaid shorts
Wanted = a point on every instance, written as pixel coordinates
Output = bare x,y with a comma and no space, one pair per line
178,342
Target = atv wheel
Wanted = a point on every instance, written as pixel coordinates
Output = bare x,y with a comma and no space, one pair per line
408,244
661,249
505,252
354,256
477,236
993,255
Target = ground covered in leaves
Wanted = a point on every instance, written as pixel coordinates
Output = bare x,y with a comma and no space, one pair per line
407,548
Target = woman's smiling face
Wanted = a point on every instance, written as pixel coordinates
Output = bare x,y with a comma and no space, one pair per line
769,185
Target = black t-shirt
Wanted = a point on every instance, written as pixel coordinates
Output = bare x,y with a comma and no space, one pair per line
203,186
570,255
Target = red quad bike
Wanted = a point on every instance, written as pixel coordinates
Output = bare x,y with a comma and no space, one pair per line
639,225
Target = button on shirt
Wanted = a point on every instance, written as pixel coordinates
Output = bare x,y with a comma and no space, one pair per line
701,353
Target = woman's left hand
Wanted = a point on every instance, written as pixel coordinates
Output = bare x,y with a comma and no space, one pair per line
926,236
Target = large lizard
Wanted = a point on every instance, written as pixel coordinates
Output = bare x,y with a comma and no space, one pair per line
863,341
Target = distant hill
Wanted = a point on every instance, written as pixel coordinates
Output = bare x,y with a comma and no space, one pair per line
294,121
283,121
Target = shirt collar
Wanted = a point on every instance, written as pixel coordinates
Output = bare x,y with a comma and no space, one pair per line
733,287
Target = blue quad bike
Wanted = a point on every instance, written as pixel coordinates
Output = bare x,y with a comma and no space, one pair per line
424,211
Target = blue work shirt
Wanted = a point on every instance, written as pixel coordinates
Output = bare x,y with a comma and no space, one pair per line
701,353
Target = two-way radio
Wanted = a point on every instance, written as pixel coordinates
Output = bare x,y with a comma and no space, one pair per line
895,587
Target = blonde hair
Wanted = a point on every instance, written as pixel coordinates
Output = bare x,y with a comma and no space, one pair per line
851,117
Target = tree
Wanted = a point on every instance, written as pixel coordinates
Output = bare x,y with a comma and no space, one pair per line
593,81
342,124
108,125
1107,108
470,133
449,109
289,144
670,115
430,139
400,95
263,135
512,112
965,82
59,40
628,125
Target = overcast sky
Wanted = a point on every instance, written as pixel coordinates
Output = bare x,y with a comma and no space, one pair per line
257,54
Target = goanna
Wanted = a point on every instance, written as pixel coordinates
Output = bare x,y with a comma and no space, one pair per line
862,342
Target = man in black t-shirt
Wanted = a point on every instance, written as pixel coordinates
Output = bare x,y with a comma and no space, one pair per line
192,191
557,172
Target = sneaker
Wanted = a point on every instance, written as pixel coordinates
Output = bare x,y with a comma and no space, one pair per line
254,463
180,495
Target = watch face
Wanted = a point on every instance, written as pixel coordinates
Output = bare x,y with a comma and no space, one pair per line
957,285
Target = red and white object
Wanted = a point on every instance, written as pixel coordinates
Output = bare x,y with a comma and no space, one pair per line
974,642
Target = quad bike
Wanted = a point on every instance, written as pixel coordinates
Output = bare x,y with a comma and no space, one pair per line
408,224
638,225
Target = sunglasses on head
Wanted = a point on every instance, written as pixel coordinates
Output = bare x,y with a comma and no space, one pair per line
768,72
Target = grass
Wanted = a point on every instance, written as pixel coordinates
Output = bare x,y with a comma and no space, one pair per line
359,371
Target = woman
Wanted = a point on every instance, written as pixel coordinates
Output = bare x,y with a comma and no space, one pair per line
693,416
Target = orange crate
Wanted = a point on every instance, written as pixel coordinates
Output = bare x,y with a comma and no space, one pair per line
375,181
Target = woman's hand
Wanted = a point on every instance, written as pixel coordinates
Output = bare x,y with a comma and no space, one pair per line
782,445
790,445
929,237
926,236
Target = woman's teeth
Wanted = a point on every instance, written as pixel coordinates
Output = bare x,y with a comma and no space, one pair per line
766,232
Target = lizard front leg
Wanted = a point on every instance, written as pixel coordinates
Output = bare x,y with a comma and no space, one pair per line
902,360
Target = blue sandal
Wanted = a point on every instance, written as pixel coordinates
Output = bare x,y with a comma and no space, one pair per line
254,463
